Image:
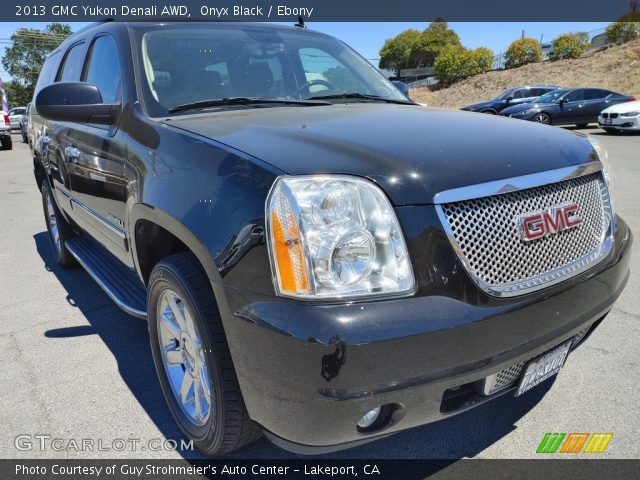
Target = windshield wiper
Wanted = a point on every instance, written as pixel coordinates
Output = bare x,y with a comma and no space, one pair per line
364,96
215,102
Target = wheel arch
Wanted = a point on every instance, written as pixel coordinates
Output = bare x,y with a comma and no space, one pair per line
142,217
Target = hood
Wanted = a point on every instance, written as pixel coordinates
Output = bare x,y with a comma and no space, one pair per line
623,107
412,152
481,105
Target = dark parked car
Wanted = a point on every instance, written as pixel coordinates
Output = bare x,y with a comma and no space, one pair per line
579,106
310,263
510,97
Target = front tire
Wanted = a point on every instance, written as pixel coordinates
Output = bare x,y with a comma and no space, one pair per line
58,228
543,118
192,358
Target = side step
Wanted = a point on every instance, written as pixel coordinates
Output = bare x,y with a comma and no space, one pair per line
120,283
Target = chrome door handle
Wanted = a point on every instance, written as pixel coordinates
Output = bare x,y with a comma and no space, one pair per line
72,153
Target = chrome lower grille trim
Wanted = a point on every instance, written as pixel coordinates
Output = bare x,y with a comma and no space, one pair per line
484,234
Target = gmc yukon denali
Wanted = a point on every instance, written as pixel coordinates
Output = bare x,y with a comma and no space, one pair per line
319,259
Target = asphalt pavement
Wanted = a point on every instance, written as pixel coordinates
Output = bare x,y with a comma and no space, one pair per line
78,369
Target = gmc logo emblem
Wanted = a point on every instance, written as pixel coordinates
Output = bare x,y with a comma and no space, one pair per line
553,220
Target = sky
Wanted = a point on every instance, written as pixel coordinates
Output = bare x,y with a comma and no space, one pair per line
368,38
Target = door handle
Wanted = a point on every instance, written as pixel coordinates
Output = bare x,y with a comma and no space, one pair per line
72,153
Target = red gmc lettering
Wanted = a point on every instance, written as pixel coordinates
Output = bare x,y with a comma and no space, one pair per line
552,221
533,227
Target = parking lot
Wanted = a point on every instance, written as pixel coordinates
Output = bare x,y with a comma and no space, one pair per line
76,367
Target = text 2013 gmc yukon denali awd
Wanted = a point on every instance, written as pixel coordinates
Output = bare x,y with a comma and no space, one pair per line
318,258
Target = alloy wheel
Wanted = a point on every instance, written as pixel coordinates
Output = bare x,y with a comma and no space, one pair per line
543,118
183,357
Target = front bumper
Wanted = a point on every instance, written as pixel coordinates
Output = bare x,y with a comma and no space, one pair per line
620,123
309,372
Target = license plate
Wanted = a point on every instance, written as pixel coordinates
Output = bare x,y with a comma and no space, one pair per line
607,121
543,367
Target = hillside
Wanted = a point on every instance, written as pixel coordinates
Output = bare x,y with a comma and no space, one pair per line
616,68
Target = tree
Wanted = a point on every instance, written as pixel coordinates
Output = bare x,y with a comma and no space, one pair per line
455,63
523,51
17,94
569,45
396,52
432,41
625,28
25,57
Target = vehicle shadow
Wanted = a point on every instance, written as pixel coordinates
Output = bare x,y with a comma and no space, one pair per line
464,435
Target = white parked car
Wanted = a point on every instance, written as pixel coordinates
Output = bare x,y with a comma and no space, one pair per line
15,114
5,131
620,117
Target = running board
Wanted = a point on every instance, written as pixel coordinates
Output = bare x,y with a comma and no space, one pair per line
121,284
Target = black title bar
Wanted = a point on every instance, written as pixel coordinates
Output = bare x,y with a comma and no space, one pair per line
316,469
314,11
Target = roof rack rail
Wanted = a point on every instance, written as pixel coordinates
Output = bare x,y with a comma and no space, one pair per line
94,24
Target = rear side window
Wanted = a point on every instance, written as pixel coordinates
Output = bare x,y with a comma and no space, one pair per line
103,68
48,72
72,66
594,94
538,92
574,96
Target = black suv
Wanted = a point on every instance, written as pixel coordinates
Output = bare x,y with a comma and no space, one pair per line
318,257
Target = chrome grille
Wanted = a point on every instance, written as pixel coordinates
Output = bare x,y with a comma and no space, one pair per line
485,234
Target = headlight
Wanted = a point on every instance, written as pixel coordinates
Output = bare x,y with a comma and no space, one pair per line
601,151
604,159
630,114
522,112
335,236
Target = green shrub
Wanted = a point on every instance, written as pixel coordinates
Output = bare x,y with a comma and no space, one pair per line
484,59
455,63
625,28
569,45
523,51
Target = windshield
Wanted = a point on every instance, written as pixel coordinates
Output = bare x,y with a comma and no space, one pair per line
184,64
505,94
551,97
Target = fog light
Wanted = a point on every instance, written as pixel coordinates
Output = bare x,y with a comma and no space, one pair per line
369,418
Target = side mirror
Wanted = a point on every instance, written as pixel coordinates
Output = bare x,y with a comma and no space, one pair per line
562,100
403,87
76,102
508,99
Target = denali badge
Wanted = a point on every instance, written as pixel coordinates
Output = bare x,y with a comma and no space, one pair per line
547,222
